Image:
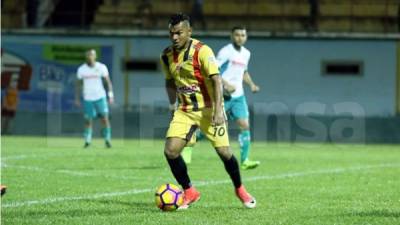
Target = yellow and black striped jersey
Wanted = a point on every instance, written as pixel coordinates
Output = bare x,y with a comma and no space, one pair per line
191,70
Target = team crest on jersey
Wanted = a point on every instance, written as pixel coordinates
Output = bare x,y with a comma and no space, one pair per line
180,66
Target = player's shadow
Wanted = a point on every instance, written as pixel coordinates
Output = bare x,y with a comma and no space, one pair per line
135,206
376,213
150,206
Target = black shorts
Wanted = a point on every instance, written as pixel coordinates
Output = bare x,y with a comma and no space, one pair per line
7,113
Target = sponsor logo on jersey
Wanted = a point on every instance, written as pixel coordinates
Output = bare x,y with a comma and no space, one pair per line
188,89
90,76
238,63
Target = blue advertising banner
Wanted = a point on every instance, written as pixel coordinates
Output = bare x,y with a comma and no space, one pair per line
51,83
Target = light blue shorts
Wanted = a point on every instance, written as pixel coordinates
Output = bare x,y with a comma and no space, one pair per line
237,108
94,109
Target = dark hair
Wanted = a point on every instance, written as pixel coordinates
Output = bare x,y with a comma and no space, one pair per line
238,28
177,18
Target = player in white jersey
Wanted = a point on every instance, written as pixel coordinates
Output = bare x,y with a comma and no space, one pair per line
233,60
91,75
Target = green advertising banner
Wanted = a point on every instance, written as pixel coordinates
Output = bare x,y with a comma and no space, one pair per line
68,54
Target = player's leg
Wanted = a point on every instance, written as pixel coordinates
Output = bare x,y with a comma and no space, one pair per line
232,168
87,134
187,154
218,136
172,150
199,136
240,114
231,164
181,130
89,114
244,138
187,150
106,131
102,109
245,143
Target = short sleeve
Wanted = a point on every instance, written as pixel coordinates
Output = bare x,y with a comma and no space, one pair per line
165,66
79,73
222,57
208,61
104,71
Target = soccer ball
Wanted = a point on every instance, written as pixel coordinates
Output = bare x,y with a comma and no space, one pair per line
169,197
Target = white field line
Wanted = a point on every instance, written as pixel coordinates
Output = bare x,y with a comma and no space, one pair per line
302,174
204,183
25,156
17,157
70,172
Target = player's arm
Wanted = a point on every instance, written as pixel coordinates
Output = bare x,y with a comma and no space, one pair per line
78,88
210,66
108,83
78,91
169,83
227,86
110,92
171,92
218,116
247,79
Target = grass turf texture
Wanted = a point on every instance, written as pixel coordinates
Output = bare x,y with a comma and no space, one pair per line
56,181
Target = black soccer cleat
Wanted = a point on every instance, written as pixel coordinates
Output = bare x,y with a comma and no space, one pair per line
86,145
108,144
3,189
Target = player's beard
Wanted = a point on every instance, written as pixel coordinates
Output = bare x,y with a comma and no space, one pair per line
90,63
237,47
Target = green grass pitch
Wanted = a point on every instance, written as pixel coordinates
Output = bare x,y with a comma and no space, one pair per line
56,181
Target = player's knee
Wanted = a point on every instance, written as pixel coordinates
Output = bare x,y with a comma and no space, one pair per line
224,153
170,152
244,125
104,119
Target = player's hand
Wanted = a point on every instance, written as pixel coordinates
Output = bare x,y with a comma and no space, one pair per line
111,101
77,103
172,108
229,88
218,118
254,88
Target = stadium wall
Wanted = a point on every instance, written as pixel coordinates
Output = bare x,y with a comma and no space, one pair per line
288,70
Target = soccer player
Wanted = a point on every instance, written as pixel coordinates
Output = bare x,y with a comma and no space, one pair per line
91,75
233,60
192,77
